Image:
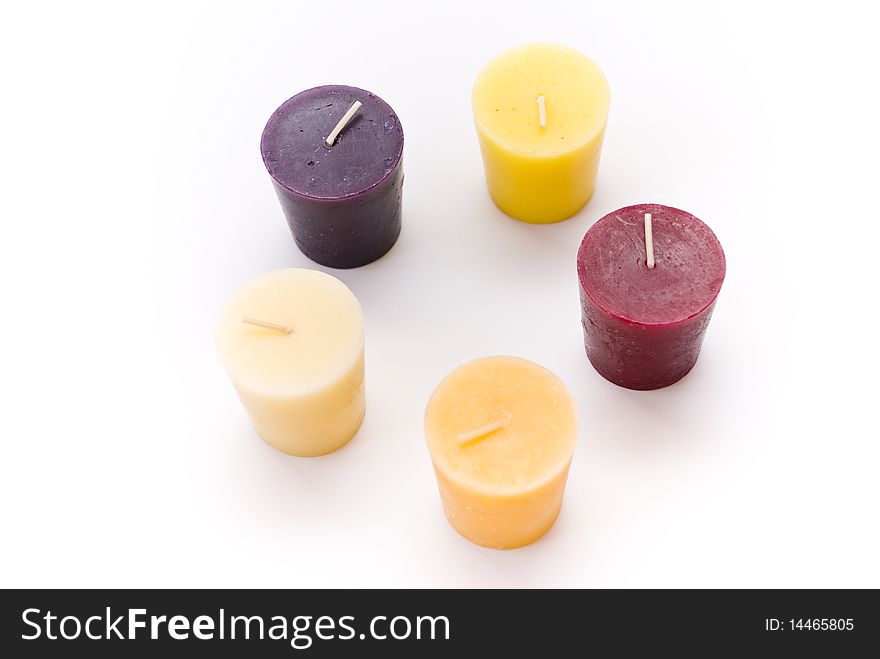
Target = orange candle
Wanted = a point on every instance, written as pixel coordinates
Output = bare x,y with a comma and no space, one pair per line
501,432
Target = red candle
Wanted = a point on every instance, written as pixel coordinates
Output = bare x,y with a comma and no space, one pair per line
649,277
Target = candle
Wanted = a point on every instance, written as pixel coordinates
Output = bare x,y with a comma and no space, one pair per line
649,277
292,342
501,433
334,154
540,112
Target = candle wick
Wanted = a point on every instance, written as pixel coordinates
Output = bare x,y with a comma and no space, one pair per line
542,112
265,323
331,138
484,431
649,242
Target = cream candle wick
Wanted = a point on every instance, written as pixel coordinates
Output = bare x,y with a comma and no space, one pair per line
649,242
265,323
331,138
542,112
484,431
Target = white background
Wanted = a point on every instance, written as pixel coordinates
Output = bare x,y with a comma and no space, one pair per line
134,201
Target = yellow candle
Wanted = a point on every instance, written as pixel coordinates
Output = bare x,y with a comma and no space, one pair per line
540,112
501,433
292,342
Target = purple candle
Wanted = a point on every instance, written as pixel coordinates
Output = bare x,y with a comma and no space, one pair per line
649,277
335,157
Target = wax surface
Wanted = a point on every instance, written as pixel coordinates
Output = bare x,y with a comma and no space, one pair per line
540,174
503,490
304,390
643,328
342,202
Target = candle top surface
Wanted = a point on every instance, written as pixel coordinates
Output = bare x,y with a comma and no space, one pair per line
366,151
690,265
530,418
326,337
575,95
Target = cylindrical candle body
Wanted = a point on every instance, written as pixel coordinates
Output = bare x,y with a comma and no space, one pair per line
643,328
342,202
534,173
502,486
304,389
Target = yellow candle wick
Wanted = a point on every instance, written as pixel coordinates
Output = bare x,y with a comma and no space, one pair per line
649,242
542,112
278,327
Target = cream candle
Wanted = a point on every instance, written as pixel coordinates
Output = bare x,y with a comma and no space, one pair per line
292,342
501,432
